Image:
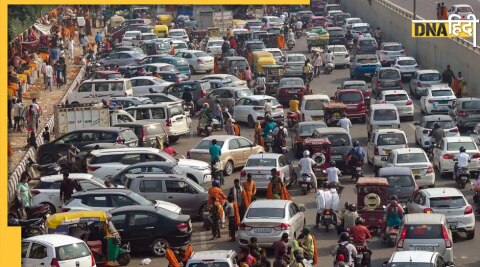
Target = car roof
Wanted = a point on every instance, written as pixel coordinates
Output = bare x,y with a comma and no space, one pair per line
157,176
105,80
351,90
334,28
329,130
354,82
388,68
406,58
383,131
236,58
222,137
427,71
394,92
391,43
442,192
212,254
219,75
296,54
159,64
104,191
316,96
439,117
147,77
265,155
307,123
453,139
412,256
124,150
54,240
273,49
465,99
424,218
367,56
138,123
156,105
407,150
394,171
153,163
59,177
151,208
441,86
260,97
269,203
383,106
360,24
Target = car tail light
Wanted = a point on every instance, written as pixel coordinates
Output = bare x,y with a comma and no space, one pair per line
66,209
243,173
203,93
257,108
375,151
327,212
144,135
34,192
468,210
281,227
183,227
119,140
448,156
462,114
188,155
402,237
379,83
430,101
448,242
199,61
427,210
169,122
476,156
245,227
54,263
177,80
93,168
93,263
303,116
409,102
279,106
419,84
430,169
454,130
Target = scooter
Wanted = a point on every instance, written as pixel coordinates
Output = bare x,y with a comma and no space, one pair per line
35,170
350,45
189,108
292,120
206,127
476,202
207,221
329,66
328,218
363,255
462,176
427,144
268,143
305,182
391,236
290,44
298,33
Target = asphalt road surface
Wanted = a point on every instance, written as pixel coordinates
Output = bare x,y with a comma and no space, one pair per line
464,251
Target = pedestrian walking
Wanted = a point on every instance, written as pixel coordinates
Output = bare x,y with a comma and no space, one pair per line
46,135
71,47
24,194
67,186
18,111
248,76
317,63
448,76
32,141
216,213
48,75
232,223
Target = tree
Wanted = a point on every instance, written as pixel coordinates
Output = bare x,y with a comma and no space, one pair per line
22,17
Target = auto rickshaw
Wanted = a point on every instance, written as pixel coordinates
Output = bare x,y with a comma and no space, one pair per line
213,32
241,37
96,229
333,112
273,74
165,20
155,48
317,37
319,148
115,22
161,31
372,196
199,35
239,23
260,59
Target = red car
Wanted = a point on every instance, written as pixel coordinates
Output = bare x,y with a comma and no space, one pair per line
317,21
354,100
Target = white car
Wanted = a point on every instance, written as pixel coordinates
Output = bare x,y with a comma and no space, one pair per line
294,64
350,21
462,10
406,65
444,155
47,191
417,160
417,258
340,53
214,46
400,99
277,54
389,51
107,162
227,80
128,37
381,144
449,202
268,220
438,99
179,45
142,38
250,109
224,258
56,250
272,21
142,84
357,28
426,123
311,107
198,60
422,80
180,34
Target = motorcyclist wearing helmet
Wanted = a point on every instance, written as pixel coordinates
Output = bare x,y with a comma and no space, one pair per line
306,163
437,133
462,160
268,107
355,155
393,213
359,232
291,35
299,25
349,216
332,174
345,245
218,113
349,35
280,133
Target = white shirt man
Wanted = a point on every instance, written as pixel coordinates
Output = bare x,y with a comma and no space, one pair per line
268,107
345,123
332,174
329,57
48,71
299,25
463,159
306,164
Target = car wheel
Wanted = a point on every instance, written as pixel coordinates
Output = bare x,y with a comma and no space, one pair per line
46,158
192,70
228,168
173,139
471,235
201,210
159,247
293,179
251,122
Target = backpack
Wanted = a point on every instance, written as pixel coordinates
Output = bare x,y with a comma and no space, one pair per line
281,135
356,155
342,250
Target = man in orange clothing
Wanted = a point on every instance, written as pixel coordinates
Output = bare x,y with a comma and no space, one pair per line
276,189
216,192
250,190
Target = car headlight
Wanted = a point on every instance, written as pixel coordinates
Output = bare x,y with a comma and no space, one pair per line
198,168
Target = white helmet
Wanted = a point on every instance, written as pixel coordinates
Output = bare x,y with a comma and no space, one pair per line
306,153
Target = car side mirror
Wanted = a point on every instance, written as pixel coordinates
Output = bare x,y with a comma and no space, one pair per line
384,263
416,123
418,177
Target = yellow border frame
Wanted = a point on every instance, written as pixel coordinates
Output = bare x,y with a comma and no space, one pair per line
10,243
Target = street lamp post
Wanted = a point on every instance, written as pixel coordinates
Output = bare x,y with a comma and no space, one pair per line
414,9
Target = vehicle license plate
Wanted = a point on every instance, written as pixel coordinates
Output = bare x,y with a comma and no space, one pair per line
316,118
337,156
358,168
416,172
260,176
304,185
327,216
442,102
406,75
424,248
294,91
453,225
262,230
367,74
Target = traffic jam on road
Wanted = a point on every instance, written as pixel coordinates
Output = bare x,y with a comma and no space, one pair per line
286,135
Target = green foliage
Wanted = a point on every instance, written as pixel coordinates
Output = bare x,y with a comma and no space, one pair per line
22,17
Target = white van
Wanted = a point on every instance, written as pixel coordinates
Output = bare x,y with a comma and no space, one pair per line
93,91
170,114
382,116
312,107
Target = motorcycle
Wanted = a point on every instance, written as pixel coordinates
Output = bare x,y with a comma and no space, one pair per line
298,33
206,126
427,144
268,143
357,172
292,120
18,211
391,236
328,218
329,66
363,255
305,182
207,221
462,176
32,227
35,170
350,45
290,44
476,202
189,108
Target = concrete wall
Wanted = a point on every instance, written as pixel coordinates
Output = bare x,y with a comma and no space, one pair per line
434,53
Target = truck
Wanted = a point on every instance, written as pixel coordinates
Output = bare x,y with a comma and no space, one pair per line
216,19
69,118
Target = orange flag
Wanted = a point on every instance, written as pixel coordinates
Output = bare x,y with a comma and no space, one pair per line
237,213
315,252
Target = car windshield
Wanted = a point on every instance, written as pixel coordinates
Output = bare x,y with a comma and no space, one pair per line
355,20
162,46
205,144
400,180
367,43
443,124
430,77
337,49
307,130
200,54
409,264
209,264
139,199
291,83
215,43
131,34
465,9
315,104
442,93
296,59
243,93
361,29
424,231
385,115
408,62
396,97
238,63
338,139
392,48
391,139
447,202
149,37
367,61
351,97
389,74
455,146
71,251
176,33
262,102
412,158
471,105
275,20
181,45
265,213
276,53
261,162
